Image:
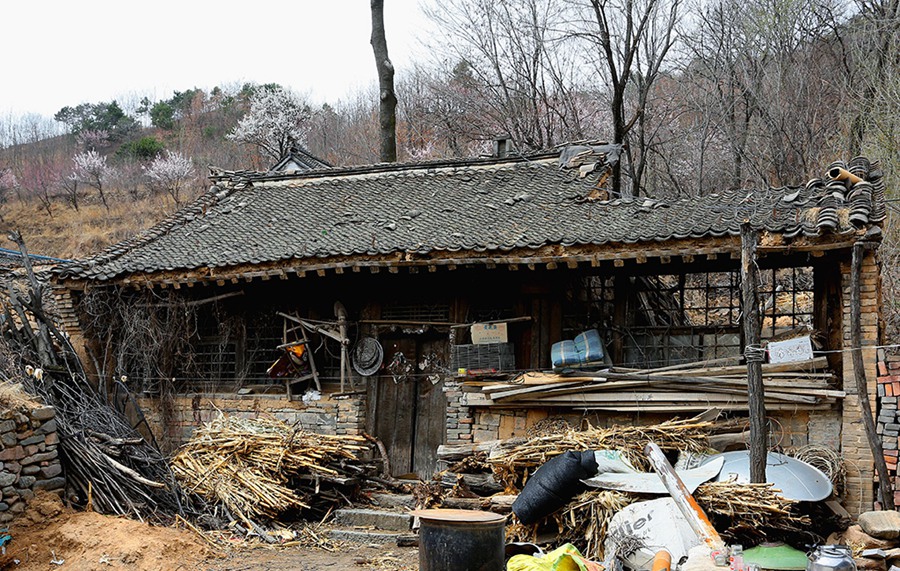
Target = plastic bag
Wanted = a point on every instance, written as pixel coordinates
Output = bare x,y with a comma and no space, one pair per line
563,558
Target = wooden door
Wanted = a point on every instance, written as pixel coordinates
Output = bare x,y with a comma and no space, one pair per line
409,410
431,405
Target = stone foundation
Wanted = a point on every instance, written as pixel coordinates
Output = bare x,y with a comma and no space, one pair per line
29,459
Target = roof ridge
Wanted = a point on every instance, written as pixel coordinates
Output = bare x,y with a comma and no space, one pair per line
246,176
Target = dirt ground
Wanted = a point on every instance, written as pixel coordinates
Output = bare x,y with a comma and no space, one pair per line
49,536
384,558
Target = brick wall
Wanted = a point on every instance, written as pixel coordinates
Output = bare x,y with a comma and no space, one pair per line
29,459
329,415
860,493
888,419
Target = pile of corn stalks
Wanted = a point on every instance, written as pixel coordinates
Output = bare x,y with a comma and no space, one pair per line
513,466
247,465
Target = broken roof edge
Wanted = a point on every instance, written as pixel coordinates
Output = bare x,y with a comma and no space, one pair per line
549,256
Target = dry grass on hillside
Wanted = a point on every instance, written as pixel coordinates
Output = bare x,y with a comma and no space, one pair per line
75,234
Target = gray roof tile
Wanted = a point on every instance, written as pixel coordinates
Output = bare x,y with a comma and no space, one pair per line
480,205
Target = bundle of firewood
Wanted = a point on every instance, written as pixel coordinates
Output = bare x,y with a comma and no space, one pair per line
744,506
260,468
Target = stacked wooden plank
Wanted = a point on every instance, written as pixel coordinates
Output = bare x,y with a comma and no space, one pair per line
693,387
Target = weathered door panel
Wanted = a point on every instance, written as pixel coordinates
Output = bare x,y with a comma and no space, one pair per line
395,409
410,411
431,408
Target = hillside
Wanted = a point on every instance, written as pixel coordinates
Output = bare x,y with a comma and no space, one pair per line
72,234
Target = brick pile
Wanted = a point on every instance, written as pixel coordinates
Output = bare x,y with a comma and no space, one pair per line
888,420
459,423
29,459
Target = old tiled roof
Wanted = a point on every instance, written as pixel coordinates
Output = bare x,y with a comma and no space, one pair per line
299,159
427,208
13,259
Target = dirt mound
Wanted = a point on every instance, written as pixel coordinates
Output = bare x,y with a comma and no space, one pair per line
49,531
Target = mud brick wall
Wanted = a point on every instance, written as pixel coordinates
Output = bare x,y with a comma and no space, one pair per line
860,492
29,459
888,419
329,415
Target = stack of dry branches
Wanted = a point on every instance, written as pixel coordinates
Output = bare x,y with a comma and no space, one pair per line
744,508
248,465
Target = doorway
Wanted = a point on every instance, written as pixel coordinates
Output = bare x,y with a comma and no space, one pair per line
407,404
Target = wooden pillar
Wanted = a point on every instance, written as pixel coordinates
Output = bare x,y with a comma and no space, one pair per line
859,372
759,434
620,317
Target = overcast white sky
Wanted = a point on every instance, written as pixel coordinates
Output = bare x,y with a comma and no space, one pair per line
65,52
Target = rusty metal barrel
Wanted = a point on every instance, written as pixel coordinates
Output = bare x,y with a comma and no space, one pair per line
460,540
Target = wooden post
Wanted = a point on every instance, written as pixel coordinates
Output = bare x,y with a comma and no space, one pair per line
759,433
687,505
859,372
341,315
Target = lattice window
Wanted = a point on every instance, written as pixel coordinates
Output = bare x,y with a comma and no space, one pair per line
216,355
264,333
411,311
589,304
786,300
688,300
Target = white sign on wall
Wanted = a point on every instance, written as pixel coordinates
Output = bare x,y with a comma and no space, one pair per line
799,349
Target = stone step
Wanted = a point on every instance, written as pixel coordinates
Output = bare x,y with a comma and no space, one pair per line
377,519
398,502
366,536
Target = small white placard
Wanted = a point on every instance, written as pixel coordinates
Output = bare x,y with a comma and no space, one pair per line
799,349
485,333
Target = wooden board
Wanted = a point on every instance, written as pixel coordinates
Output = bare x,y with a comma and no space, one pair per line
395,410
431,410
660,396
799,366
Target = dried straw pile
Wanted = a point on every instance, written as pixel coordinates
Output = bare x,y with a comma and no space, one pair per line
742,510
512,466
756,507
246,465
583,522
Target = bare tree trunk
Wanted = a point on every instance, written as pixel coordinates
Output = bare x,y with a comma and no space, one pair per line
884,14
387,111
